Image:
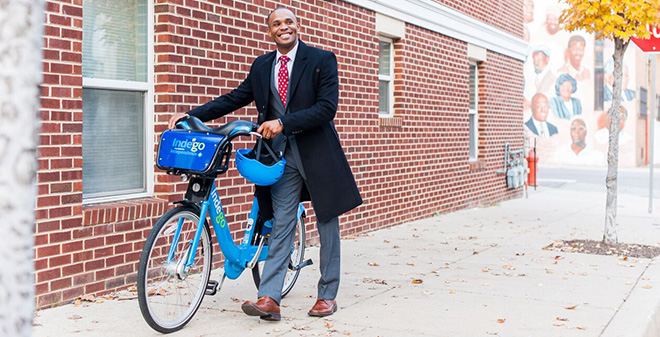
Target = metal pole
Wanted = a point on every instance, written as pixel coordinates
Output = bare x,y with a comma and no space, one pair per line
652,121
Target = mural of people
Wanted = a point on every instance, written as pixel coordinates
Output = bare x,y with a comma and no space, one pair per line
602,135
537,124
544,79
573,56
563,105
578,153
528,11
627,94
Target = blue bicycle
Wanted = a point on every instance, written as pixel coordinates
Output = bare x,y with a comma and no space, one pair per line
177,258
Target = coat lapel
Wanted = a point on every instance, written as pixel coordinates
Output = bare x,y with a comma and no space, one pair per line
264,77
298,68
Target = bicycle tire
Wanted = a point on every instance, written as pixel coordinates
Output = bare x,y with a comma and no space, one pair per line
297,257
165,280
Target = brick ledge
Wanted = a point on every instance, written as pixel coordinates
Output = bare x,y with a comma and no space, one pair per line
123,211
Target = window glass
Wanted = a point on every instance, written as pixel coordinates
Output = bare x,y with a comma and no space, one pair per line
384,61
383,97
113,142
115,39
473,89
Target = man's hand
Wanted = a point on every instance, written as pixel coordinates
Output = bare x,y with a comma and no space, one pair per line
270,128
175,118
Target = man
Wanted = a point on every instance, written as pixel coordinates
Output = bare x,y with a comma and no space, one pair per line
542,80
573,55
627,94
296,90
602,135
578,153
537,124
528,11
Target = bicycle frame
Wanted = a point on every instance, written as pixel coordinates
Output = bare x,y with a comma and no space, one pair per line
237,257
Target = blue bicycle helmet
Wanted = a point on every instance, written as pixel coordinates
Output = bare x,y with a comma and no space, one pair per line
256,172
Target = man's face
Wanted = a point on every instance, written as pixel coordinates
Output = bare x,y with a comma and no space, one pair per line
540,61
551,23
575,53
283,29
578,132
565,90
540,108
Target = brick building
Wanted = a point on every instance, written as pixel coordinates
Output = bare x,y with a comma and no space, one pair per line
430,91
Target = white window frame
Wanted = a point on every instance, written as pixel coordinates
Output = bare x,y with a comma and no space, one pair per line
473,128
389,78
147,88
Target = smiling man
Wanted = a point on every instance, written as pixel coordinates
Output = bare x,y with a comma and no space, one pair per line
296,91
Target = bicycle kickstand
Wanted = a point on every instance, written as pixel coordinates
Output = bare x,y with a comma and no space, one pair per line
213,286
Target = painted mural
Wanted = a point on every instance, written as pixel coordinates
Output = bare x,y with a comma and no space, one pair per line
568,89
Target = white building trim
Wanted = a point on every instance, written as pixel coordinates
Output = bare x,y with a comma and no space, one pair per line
446,21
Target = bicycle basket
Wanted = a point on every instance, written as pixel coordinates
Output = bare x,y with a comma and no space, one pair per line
188,151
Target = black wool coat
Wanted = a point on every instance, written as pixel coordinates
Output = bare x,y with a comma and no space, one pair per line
313,98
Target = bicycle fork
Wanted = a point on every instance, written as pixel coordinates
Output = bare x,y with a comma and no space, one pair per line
183,265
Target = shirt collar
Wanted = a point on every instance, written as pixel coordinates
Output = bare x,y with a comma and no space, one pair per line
291,54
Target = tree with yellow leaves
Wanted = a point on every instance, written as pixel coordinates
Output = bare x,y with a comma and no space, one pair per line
616,20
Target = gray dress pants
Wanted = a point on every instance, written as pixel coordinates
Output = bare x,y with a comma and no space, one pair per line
286,196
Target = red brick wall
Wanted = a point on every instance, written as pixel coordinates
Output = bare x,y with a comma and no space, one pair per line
407,167
506,15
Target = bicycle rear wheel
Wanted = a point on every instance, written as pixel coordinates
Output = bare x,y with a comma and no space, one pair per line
296,258
169,294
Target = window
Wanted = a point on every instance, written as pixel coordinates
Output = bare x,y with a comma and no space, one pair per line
474,98
117,86
385,76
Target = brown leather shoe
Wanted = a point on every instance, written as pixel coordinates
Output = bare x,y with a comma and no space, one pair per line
266,308
323,308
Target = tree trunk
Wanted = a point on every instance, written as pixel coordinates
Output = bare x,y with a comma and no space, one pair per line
611,235
21,23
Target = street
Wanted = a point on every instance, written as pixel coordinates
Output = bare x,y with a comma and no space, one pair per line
630,181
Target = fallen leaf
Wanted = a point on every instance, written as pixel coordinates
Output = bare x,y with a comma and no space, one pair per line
328,325
75,317
88,298
559,257
558,324
76,302
373,264
305,327
386,241
647,286
417,281
571,307
452,291
562,319
501,320
159,291
410,264
581,328
235,300
485,270
347,333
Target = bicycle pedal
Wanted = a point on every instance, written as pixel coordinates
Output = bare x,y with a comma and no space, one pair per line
212,287
304,264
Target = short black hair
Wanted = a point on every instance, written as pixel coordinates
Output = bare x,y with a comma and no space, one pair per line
576,38
280,7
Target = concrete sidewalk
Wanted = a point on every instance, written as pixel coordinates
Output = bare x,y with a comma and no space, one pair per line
484,273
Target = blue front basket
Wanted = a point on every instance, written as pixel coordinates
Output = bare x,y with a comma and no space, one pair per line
188,151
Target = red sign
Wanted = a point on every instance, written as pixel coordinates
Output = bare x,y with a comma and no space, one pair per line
650,45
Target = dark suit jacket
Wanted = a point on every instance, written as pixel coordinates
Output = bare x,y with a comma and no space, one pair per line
551,128
312,106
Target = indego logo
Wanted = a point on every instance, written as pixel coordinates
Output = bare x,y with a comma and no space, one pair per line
192,145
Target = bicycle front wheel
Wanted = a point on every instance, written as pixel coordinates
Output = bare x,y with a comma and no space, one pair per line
169,292
296,257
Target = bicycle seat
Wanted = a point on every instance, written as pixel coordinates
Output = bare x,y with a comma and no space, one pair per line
195,124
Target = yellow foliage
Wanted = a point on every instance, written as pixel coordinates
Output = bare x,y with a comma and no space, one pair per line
611,19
